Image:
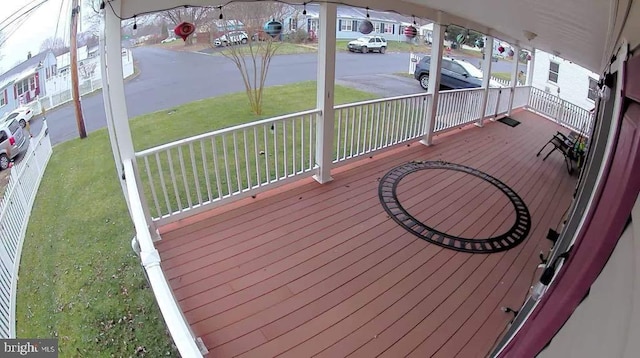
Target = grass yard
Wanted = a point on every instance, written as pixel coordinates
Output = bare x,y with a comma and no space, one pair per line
284,48
79,278
502,75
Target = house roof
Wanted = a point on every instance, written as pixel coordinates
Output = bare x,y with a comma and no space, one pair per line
583,31
64,60
22,70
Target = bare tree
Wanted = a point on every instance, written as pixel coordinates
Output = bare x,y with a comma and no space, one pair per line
55,44
198,16
253,58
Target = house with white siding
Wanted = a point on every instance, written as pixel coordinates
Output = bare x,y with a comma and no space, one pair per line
389,25
564,78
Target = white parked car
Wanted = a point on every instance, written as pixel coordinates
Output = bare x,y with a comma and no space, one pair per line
22,115
232,38
366,44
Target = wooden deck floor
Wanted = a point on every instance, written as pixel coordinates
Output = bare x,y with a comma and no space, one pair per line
321,270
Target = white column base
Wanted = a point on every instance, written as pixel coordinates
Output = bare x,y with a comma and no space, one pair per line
427,142
322,180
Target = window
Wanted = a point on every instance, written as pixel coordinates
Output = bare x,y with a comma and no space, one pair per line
22,86
592,94
388,28
3,98
355,26
3,136
377,26
293,24
554,69
345,25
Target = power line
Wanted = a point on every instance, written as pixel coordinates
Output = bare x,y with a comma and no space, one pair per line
17,11
21,16
8,35
55,34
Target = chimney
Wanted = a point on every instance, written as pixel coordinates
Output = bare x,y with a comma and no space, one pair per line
29,55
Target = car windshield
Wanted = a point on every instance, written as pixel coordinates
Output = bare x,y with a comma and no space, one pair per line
12,116
473,70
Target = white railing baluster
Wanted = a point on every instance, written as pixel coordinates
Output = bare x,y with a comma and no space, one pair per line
152,185
302,144
294,160
195,172
352,119
257,155
246,158
162,182
237,162
267,167
377,115
185,182
173,180
205,168
274,129
216,166
284,148
225,156
359,131
312,126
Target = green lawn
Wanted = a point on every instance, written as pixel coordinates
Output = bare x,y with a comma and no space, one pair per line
79,279
284,48
502,75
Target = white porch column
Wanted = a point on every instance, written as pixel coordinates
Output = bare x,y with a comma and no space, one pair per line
434,81
325,121
530,67
514,76
116,107
486,77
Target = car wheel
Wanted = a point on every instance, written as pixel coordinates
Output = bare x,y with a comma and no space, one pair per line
244,41
424,82
4,162
365,49
23,123
383,49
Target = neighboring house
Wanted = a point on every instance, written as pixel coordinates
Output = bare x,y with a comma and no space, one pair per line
25,82
388,25
571,82
64,60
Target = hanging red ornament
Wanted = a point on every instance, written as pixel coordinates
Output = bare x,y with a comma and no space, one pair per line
184,30
410,31
500,49
528,57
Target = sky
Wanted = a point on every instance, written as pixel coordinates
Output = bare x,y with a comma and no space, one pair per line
37,28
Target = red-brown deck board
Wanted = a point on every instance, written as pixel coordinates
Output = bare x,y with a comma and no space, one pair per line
321,270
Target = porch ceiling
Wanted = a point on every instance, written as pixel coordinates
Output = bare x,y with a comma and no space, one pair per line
581,31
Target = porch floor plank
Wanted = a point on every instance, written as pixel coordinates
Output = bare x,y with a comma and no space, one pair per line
321,270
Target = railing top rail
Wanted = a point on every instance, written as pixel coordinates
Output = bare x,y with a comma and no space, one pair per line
198,137
379,100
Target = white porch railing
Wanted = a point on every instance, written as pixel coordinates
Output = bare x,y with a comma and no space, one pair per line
368,126
457,108
15,209
150,259
188,174
565,113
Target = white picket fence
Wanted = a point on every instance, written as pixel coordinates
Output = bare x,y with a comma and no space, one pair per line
15,209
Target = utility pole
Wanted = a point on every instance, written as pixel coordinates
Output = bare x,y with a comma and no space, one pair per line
75,90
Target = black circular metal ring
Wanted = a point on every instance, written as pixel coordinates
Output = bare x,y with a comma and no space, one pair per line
510,239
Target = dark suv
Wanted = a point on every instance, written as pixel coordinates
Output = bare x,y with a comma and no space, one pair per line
455,74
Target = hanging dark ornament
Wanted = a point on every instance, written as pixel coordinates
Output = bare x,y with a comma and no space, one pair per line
410,31
511,53
304,9
528,57
273,28
461,39
184,30
500,49
479,43
366,27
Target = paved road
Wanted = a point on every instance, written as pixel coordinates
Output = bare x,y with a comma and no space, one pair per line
170,78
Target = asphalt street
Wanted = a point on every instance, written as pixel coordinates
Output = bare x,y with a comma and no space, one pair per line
169,78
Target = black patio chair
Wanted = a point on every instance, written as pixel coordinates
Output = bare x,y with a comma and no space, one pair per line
571,146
